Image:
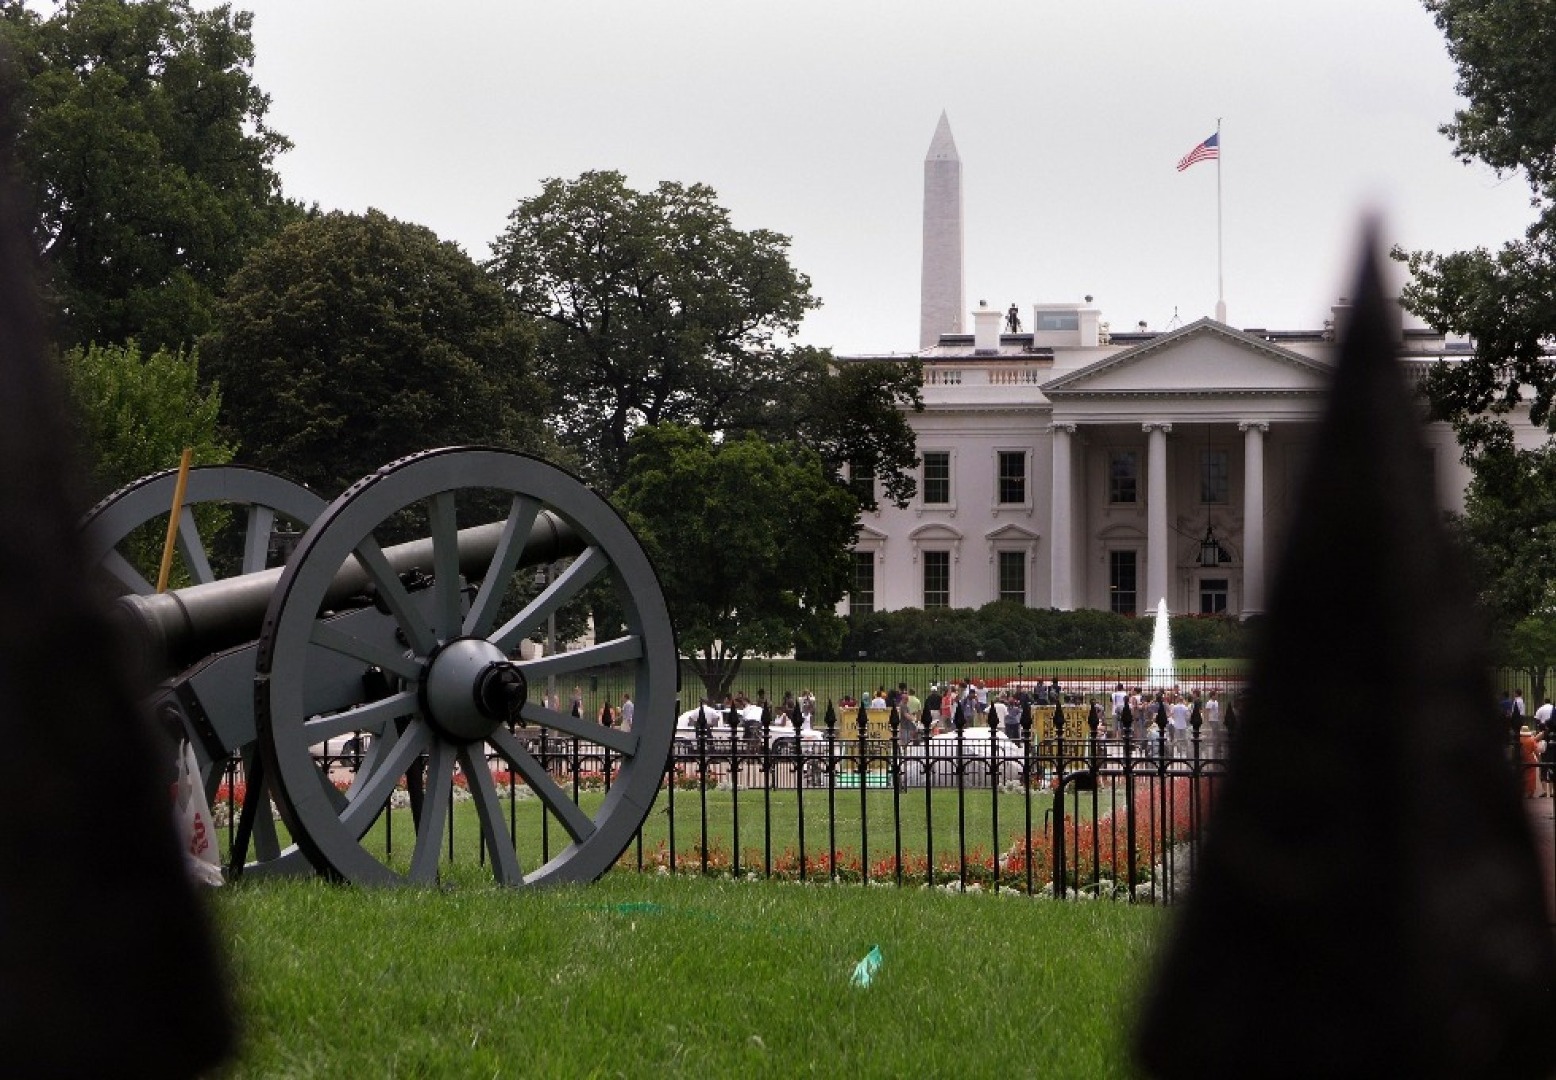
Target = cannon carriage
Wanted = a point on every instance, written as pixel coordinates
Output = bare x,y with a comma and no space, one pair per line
398,616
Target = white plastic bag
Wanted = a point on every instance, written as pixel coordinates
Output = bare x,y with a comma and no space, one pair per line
191,812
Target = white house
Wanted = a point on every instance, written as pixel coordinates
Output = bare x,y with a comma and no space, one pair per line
1062,468
1067,467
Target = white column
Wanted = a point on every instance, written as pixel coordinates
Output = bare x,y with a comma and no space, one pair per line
1157,546
1061,530
1253,516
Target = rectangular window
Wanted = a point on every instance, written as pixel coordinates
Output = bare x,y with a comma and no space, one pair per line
1212,596
1123,476
1013,477
1057,320
861,599
862,482
937,579
937,477
1121,582
1215,484
1013,576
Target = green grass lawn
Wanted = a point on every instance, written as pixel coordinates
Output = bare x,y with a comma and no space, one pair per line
642,975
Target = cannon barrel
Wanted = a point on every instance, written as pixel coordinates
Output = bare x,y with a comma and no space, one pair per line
174,629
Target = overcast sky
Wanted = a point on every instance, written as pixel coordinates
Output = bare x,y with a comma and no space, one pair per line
812,118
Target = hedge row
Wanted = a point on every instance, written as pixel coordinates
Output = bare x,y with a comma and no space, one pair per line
1006,631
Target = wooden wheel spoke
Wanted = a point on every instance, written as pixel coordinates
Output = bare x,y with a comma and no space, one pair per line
615,651
372,717
192,548
369,798
124,572
510,546
434,813
577,823
569,583
499,843
444,523
623,742
256,538
395,597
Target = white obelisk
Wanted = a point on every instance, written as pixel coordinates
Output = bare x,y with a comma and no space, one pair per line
941,302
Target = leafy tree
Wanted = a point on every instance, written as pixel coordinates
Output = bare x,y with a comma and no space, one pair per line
854,414
1531,649
750,539
1505,52
655,310
142,140
1509,529
351,340
136,412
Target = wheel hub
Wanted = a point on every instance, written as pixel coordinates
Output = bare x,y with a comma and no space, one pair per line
470,689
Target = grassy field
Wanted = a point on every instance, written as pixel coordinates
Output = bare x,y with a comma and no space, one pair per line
647,975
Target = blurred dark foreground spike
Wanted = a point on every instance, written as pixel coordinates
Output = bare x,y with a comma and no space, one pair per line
107,965
1367,901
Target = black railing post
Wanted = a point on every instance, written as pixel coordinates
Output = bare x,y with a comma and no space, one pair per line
1026,777
895,723
996,775
831,722
796,719
737,732
767,788
959,718
1061,868
862,724
1126,721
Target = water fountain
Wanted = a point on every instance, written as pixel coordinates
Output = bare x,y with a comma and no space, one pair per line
1161,672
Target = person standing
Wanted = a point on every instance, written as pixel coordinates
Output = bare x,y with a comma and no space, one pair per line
1178,721
627,712
1210,712
577,707
912,712
607,714
932,708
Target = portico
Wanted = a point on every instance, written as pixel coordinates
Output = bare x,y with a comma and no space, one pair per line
1160,459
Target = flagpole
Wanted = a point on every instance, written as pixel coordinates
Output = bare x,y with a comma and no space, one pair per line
1220,285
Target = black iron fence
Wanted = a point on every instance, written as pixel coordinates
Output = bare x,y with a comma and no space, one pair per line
1077,802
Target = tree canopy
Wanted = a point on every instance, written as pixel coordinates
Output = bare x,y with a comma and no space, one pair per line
351,340
655,309
1504,300
143,146
1505,54
136,412
750,539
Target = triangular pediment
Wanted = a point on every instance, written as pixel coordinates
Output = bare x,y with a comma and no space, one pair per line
1204,357
1011,534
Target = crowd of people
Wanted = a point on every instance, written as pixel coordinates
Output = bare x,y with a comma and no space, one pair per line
1536,743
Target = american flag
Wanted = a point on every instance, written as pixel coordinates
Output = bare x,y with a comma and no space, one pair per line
1208,150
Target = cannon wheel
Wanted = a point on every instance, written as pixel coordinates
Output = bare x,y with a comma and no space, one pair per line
265,498
432,725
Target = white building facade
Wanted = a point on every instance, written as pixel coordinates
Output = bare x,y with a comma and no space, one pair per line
1064,468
